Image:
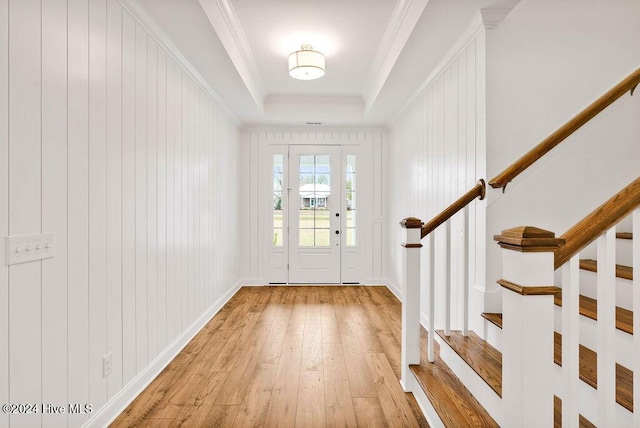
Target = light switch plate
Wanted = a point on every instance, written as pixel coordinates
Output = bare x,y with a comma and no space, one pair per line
27,248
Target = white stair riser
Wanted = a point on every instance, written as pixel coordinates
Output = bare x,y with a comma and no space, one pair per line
624,341
623,252
588,287
588,334
588,396
493,335
624,255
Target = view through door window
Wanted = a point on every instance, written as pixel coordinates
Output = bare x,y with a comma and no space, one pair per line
278,177
351,200
315,200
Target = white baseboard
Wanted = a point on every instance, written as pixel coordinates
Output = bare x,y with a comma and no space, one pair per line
110,411
253,282
374,282
393,288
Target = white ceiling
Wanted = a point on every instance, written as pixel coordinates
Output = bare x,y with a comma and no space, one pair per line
378,52
338,28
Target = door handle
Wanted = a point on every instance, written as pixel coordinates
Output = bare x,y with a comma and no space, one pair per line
337,232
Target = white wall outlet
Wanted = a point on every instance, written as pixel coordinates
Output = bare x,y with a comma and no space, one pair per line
27,248
107,364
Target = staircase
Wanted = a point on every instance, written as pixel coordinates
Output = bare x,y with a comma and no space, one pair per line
464,382
563,351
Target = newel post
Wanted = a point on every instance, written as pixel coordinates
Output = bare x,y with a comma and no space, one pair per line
410,298
527,326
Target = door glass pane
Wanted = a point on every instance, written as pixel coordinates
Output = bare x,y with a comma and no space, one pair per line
315,198
322,219
322,237
350,184
351,236
278,188
307,238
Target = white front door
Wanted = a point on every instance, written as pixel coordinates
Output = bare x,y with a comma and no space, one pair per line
315,206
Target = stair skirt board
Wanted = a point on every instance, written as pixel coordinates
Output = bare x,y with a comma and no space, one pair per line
472,381
588,402
429,412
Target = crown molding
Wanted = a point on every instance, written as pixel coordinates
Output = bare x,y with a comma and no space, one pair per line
142,17
225,22
403,20
491,18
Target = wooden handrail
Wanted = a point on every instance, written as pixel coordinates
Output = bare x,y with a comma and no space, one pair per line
513,170
599,221
478,191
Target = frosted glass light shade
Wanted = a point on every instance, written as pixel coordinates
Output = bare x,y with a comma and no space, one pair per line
306,64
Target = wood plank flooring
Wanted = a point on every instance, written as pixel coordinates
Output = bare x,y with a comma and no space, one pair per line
287,356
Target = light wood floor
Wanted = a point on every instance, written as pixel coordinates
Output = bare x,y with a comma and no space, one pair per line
287,356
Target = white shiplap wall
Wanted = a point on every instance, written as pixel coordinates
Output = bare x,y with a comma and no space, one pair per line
108,141
436,154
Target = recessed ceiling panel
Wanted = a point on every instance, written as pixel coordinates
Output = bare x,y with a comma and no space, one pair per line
347,32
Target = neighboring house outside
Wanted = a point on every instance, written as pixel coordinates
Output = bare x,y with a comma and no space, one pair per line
314,195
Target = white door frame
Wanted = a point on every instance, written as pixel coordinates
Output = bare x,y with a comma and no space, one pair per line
318,260
358,261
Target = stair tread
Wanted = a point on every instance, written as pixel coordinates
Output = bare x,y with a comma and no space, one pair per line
493,318
486,361
589,309
455,405
557,416
589,372
624,235
622,271
483,358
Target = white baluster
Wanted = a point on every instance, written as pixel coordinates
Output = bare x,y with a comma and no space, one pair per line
636,317
570,341
431,291
447,278
465,273
606,295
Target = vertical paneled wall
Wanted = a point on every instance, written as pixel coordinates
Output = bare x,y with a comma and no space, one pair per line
111,144
436,154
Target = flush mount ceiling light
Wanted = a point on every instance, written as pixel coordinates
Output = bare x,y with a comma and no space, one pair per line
306,64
